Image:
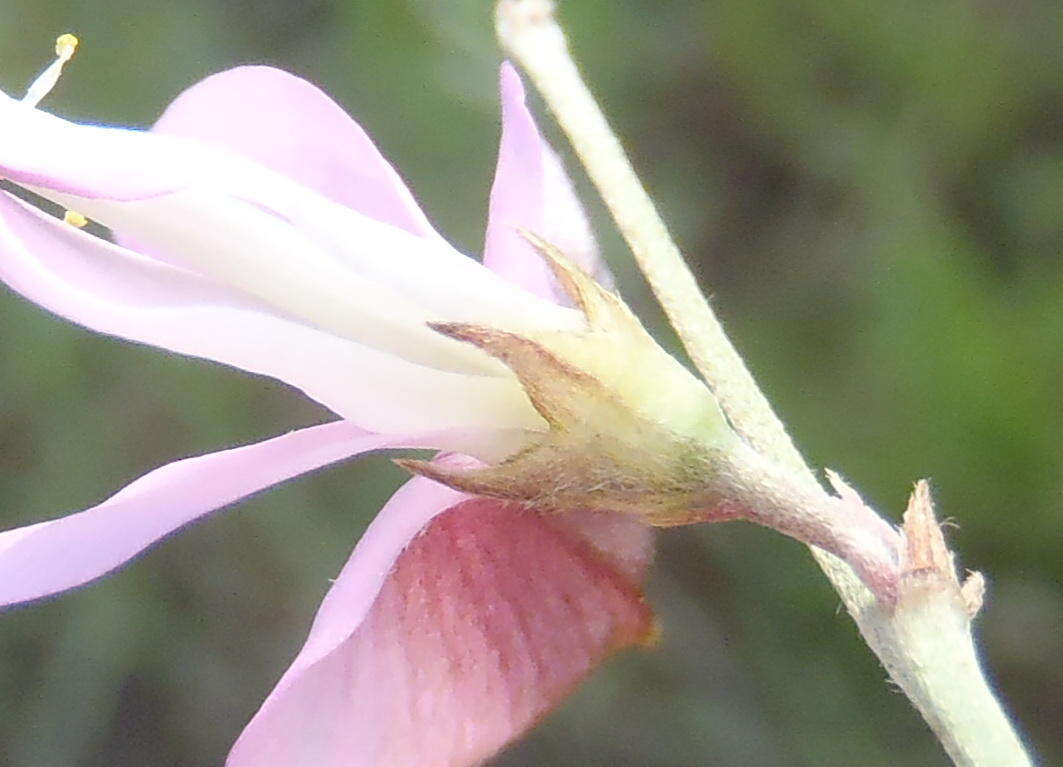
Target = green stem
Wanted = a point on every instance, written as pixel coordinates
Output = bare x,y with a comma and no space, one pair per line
927,649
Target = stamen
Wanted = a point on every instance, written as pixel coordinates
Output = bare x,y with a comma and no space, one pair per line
65,45
74,218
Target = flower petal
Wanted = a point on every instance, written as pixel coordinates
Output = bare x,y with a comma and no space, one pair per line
322,262
249,250
245,226
444,653
532,191
63,553
285,123
36,149
329,265
115,291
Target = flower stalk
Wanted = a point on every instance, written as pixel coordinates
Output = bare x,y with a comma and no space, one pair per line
921,629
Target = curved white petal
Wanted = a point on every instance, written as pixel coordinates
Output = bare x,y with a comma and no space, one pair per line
116,291
246,248
253,229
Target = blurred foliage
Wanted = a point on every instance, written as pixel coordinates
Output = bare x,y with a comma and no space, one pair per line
872,192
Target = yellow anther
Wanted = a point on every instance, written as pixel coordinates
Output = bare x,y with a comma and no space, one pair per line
74,218
65,45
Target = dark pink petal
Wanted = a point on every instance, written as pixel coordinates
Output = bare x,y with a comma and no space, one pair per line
59,554
116,291
287,124
445,653
532,191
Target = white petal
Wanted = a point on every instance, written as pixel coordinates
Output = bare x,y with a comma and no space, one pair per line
115,291
330,266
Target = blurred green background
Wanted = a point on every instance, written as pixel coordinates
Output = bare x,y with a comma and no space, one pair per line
871,192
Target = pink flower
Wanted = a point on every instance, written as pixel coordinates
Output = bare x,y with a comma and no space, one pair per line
260,228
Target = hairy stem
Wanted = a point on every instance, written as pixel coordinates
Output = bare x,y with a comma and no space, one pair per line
764,492
927,647
924,641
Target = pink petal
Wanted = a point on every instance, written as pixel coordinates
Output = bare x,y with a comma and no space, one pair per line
532,191
116,291
59,554
444,653
287,124
622,539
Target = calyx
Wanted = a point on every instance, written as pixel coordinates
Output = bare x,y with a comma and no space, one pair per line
630,429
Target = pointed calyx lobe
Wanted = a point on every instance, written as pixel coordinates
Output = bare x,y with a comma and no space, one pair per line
630,429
